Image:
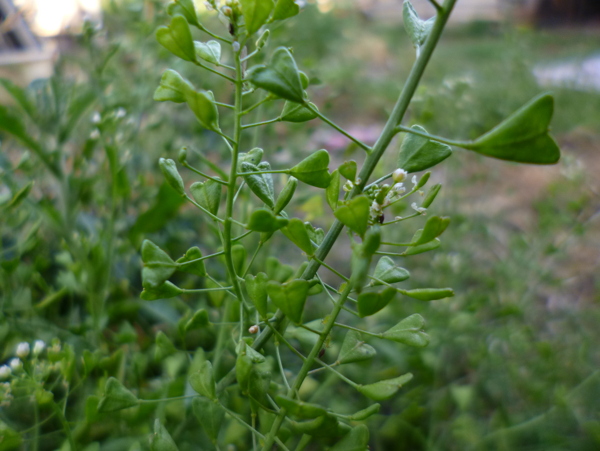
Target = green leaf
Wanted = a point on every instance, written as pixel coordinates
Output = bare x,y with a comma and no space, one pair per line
266,166
296,232
431,195
362,415
238,255
382,390
177,38
207,194
409,331
355,440
198,321
11,123
360,264
429,294
257,291
307,427
281,77
289,297
372,241
256,13
172,88
278,271
158,266
169,170
186,8
414,250
523,137
332,193
263,220
387,271
243,368
208,51
210,415
284,9
286,195
294,112
258,386
164,346
253,156
116,397
203,381
348,170
417,29
355,214
258,184
314,169
354,349
20,195
196,268
418,153
202,104
165,291
21,96
300,409
434,227
370,302
161,439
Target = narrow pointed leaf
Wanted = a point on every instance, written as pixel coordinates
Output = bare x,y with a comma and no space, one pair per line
354,349
362,415
202,104
198,321
158,266
289,297
208,51
418,153
268,177
414,250
210,415
177,38
409,331
431,195
207,194
417,29
332,193
164,346
196,268
286,195
429,294
314,169
256,286
387,271
382,390
523,137
355,214
186,8
370,302
169,170
280,77
258,184
284,9
116,397
263,220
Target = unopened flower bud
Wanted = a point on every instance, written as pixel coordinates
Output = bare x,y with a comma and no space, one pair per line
399,175
16,365
38,347
22,350
227,11
348,186
236,46
5,372
182,157
253,329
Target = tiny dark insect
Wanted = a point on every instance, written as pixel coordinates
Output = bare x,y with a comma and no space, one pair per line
381,219
321,353
231,29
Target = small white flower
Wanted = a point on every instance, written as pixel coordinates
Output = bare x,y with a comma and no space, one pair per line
348,186
414,180
5,372
95,134
120,113
399,188
16,364
38,347
358,181
375,208
96,118
420,210
399,175
236,46
22,350
208,6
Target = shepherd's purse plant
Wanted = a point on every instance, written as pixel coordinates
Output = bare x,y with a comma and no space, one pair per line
268,341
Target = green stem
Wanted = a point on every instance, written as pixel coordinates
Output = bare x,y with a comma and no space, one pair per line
213,217
202,174
415,215
207,290
402,128
303,443
210,33
212,165
337,373
256,105
258,124
216,254
338,128
340,275
216,72
65,424
273,171
225,105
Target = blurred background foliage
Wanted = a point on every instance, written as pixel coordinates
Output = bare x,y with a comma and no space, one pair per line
513,362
